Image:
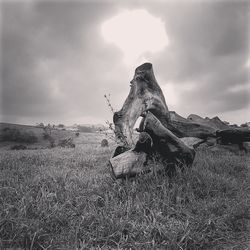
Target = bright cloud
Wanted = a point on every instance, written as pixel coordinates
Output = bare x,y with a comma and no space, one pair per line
135,32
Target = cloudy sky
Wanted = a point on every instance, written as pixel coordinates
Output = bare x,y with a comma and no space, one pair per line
58,59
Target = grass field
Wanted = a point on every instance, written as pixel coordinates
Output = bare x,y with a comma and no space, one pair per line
65,199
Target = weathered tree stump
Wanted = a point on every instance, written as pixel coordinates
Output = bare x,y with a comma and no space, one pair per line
145,94
160,130
158,135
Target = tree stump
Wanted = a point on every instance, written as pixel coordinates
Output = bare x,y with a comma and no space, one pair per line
160,130
155,138
157,133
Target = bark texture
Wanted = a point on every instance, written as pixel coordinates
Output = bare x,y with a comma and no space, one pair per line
160,130
145,94
154,140
147,100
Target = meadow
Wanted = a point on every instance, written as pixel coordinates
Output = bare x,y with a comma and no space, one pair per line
65,198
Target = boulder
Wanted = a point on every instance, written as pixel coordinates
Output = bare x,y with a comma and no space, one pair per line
104,143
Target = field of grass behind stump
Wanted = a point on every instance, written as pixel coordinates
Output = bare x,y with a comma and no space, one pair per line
65,199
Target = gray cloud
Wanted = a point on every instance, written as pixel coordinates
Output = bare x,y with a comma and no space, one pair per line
56,65
208,47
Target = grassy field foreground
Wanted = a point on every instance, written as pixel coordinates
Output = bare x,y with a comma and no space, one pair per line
65,199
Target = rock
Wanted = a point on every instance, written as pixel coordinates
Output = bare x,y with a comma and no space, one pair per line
104,143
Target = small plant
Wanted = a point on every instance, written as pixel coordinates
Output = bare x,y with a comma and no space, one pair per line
47,135
118,136
109,103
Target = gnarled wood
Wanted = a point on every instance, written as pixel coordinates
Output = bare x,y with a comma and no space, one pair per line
191,129
145,94
146,99
171,148
234,136
214,122
155,139
192,142
160,129
128,163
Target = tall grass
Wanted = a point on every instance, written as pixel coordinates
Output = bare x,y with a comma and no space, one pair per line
66,199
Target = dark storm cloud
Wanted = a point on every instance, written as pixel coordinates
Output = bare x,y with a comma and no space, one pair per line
56,64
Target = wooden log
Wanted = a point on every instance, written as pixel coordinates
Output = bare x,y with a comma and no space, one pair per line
155,139
144,143
128,163
171,148
191,129
234,136
119,150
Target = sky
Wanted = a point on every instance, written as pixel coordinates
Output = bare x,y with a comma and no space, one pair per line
59,58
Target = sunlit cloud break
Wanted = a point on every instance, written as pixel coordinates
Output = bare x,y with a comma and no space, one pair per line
135,32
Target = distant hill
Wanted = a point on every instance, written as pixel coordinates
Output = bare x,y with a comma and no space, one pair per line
37,131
